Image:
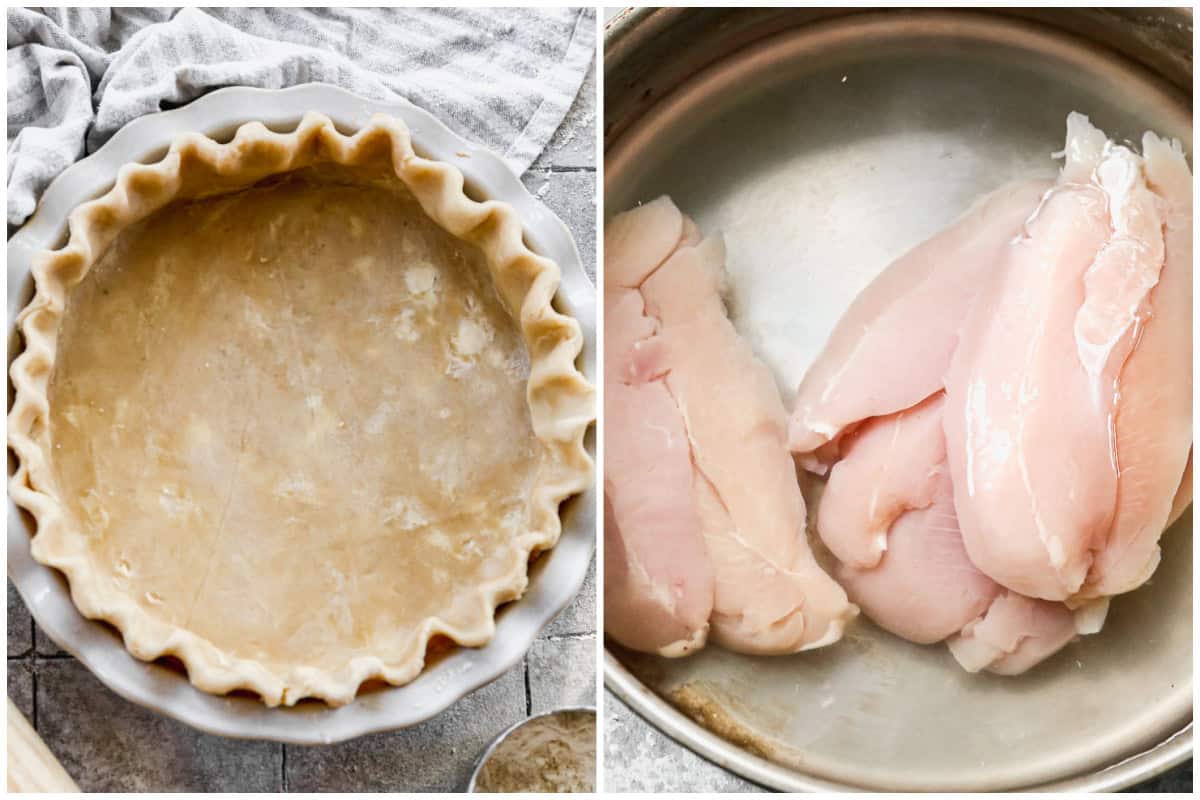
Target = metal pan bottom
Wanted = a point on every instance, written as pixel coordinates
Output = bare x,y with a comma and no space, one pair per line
822,153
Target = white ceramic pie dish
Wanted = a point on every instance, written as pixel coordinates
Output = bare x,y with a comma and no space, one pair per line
554,579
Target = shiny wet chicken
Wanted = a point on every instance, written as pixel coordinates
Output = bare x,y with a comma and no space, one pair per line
686,385
1004,416
1068,400
916,579
1066,411
658,581
873,363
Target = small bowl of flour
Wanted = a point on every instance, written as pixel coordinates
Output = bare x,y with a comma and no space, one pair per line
550,752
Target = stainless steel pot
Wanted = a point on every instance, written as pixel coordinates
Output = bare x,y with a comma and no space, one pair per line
823,143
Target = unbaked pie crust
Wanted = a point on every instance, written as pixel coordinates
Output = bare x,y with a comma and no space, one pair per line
292,405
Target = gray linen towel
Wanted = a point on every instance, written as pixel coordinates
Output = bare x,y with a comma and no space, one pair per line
504,78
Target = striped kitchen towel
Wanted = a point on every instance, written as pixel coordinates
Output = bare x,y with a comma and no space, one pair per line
502,77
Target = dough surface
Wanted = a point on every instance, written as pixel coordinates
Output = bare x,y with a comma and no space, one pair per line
292,420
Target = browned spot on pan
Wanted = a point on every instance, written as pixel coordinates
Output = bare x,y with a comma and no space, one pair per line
713,717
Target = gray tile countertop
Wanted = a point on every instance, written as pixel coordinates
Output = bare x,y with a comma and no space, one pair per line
109,744
638,758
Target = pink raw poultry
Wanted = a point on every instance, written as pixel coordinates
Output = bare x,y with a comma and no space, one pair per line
875,363
1039,390
658,582
923,586
746,516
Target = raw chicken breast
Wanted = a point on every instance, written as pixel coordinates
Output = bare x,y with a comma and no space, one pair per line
771,595
1015,634
892,347
637,242
1154,410
1031,393
924,587
1183,496
890,465
658,582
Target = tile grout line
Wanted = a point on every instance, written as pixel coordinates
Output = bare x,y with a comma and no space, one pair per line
528,692
557,170
563,637
36,656
283,783
33,677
